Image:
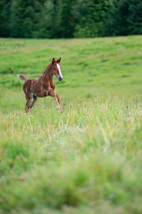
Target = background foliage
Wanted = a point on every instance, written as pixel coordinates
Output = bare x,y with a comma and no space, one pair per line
67,19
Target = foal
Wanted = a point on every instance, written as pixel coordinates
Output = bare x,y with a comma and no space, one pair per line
43,86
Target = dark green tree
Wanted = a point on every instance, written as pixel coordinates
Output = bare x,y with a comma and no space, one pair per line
134,19
67,19
124,18
4,17
90,17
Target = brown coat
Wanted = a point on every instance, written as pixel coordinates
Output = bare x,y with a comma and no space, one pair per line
43,86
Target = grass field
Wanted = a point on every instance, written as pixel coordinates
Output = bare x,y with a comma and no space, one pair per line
88,159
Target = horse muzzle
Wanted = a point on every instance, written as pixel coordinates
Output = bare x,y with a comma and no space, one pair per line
60,78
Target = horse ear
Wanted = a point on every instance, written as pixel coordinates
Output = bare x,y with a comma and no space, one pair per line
59,60
53,60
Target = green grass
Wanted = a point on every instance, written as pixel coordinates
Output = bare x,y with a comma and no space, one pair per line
88,159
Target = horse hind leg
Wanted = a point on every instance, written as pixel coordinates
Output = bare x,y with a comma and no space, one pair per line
34,99
30,103
27,106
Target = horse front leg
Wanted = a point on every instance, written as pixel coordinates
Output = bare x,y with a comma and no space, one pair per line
57,99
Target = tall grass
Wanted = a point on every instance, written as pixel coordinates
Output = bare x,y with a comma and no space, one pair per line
86,160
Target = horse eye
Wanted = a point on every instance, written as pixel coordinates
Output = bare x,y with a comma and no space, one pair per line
54,69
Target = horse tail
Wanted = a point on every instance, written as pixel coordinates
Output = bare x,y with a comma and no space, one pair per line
22,78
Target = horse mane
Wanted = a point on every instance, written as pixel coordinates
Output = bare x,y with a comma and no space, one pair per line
47,69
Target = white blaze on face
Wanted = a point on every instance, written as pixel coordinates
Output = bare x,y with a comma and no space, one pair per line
58,66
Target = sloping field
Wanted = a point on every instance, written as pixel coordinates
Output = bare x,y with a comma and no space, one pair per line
88,159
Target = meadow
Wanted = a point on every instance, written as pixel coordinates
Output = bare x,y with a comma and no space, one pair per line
88,159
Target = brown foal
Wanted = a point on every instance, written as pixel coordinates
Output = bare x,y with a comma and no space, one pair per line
43,86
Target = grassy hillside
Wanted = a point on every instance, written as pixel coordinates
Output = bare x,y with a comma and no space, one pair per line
103,63
88,159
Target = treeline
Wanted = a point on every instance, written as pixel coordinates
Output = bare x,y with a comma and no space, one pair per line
69,18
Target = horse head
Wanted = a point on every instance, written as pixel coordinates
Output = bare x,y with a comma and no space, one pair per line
56,69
